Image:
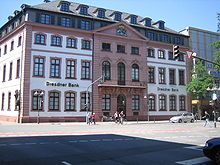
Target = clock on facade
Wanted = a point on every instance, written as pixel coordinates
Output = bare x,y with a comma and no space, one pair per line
121,31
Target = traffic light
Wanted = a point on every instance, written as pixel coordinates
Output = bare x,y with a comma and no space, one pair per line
176,52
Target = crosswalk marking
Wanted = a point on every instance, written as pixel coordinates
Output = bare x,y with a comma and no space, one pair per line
199,148
194,161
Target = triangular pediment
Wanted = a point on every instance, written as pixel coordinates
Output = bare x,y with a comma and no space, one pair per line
121,29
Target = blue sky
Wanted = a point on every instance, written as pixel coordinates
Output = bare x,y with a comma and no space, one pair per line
177,14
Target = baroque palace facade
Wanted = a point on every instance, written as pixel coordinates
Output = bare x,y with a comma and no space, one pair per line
52,53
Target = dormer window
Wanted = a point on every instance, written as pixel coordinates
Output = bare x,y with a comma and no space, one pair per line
64,7
160,24
101,13
117,15
146,21
83,9
133,19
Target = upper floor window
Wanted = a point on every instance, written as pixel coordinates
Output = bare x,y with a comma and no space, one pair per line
117,16
64,7
120,49
71,42
106,102
83,10
152,36
170,55
85,25
4,73
135,102
10,71
40,39
106,47
181,77
19,40
38,66
162,74
86,44
181,56
101,13
161,54
70,69
135,50
151,75
45,18
135,72
65,22
18,68
121,73
172,76
106,70
133,19
5,50
151,52
55,68
12,45
86,69
56,41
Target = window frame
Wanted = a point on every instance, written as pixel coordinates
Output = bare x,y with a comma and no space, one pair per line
40,68
55,68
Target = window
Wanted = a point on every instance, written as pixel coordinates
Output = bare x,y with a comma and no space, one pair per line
55,68
9,101
162,78
117,16
12,45
54,101
65,22
37,101
151,52
4,73
85,25
152,36
162,103
10,71
120,49
135,102
101,13
18,69
39,66
106,102
70,69
70,101
172,103
85,70
106,70
3,101
5,50
83,10
133,19
161,54
83,100
40,39
45,19
106,47
19,41
64,7
135,72
170,56
56,41
121,73
181,57
135,50
86,44
182,102
151,75
71,43
151,103
172,76
181,77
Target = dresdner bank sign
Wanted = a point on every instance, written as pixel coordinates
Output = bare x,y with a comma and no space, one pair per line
58,84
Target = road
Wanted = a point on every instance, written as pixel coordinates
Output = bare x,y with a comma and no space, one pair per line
104,144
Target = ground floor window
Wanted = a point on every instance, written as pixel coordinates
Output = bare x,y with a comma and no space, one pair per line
70,101
135,102
106,100
54,101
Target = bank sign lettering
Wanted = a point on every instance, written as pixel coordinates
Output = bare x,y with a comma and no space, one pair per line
55,84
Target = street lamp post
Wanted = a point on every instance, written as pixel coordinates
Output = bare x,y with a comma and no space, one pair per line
39,103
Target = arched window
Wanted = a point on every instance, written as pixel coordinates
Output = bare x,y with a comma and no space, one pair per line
162,102
121,73
135,72
106,70
54,101
151,103
70,101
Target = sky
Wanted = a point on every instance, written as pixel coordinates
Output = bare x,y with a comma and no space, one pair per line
177,14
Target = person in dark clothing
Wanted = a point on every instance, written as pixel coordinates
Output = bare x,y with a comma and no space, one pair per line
206,117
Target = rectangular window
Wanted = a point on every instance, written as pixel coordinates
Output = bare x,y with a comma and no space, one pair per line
56,41
182,102
65,22
151,53
71,42
18,69
135,50
162,103
181,57
172,100
106,102
84,101
170,56
10,71
19,41
40,39
70,101
3,101
9,101
117,17
12,45
45,18
55,68
151,75
162,74
101,13
70,69
161,54
133,19
181,77
106,47
4,73
54,101
151,103
37,100
5,50
135,102
64,7
172,76
85,70
83,10
120,49
39,66
85,25
86,44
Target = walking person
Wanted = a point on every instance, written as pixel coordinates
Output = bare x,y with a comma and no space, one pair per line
93,118
121,117
116,117
206,117
88,118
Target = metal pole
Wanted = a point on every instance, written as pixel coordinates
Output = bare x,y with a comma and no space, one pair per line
38,109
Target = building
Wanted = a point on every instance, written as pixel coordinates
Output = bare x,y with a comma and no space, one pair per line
52,53
200,42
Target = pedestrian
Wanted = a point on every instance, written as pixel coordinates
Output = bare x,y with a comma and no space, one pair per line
88,118
206,117
116,117
121,117
93,118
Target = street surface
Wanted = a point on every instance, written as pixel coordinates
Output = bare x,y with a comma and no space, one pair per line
105,143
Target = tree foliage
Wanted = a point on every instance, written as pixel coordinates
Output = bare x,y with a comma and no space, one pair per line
201,80
217,55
